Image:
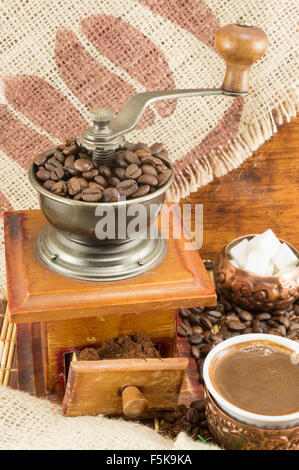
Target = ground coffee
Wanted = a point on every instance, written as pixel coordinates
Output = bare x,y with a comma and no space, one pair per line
125,347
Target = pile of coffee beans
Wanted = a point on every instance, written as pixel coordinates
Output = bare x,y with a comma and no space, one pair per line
72,173
190,420
206,327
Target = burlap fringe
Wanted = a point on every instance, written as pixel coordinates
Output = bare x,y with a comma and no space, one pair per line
223,160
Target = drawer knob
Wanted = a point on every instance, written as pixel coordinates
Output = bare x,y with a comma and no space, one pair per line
134,402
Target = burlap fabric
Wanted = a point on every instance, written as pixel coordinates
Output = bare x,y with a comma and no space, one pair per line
30,423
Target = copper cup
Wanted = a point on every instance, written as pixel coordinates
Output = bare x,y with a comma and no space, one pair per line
231,434
253,292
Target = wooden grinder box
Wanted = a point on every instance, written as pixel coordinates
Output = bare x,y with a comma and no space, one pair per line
57,315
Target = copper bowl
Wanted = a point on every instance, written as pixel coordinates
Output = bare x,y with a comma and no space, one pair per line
253,292
231,434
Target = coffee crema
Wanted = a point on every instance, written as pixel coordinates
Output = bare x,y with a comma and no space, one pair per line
257,376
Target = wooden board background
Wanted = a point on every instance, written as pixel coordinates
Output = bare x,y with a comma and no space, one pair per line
262,193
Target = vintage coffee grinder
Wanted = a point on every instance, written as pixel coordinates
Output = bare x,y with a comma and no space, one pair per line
68,290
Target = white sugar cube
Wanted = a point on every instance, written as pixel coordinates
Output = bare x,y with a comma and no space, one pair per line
239,252
284,257
287,269
257,263
270,269
266,243
234,263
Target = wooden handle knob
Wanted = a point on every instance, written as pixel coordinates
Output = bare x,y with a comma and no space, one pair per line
134,402
240,46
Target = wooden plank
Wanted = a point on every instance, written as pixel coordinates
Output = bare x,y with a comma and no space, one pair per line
96,386
262,193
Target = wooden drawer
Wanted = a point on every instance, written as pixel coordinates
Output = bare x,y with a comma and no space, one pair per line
134,387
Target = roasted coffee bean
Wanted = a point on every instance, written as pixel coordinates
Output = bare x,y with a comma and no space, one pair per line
220,308
110,195
273,323
148,179
76,185
184,312
42,174
206,323
40,159
114,181
83,165
164,177
192,415
92,194
90,175
121,162
245,316
48,184
296,309
247,331
206,349
70,149
217,338
196,339
59,155
156,147
101,181
214,314
294,326
59,188
120,173
197,310
235,325
149,170
131,157
263,316
197,330
181,331
127,187
142,191
105,171
57,174
69,161
133,171
282,330
140,146
199,405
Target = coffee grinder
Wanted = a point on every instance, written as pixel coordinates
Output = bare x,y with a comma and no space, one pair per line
68,290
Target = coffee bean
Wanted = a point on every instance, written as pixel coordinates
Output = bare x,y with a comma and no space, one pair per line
133,171
236,325
120,173
148,179
181,331
214,314
294,326
206,323
197,330
57,174
164,177
142,153
70,149
197,310
196,339
156,147
199,405
99,179
127,187
114,181
131,157
263,316
40,159
192,415
105,171
110,195
245,316
59,188
69,161
92,194
296,309
149,170
42,174
83,165
76,185
142,191
89,175
48,184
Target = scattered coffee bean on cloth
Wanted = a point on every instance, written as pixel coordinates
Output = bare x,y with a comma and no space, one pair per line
125,347
136,171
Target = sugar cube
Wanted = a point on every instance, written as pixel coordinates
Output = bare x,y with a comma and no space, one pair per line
239,252
266,243
257,263
284,257
234,263
287,269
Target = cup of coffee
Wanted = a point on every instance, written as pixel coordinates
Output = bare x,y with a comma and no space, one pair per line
255,379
